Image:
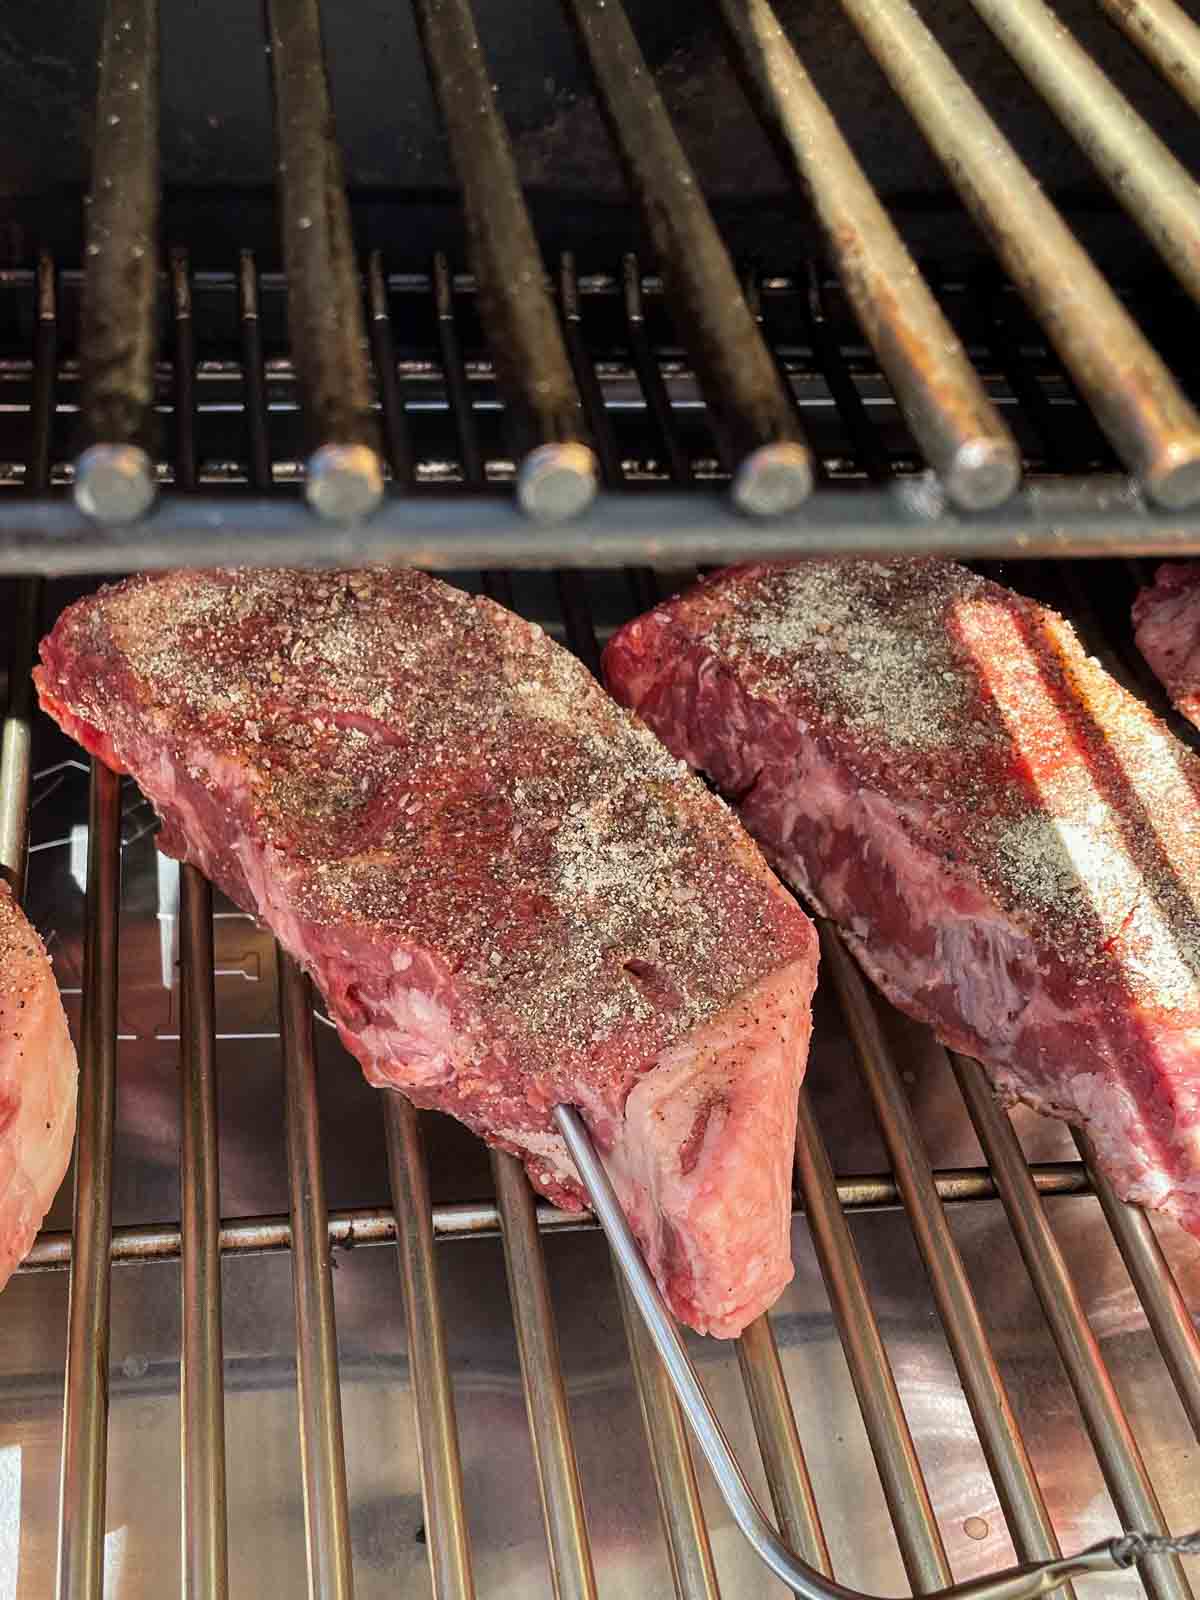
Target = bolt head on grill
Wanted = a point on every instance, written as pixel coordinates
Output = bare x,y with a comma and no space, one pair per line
557,481
344,482
114,482
774,479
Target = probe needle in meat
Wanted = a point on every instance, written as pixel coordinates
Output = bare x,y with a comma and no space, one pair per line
1017,1583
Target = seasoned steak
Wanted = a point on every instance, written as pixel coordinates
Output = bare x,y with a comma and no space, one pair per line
508,892
37,1086
1009,841
1166,621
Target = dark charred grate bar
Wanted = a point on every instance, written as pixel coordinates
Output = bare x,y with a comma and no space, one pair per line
755,421
556,475
343,475
114,473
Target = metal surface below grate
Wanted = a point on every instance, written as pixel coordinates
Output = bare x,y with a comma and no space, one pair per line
949,382
977,1356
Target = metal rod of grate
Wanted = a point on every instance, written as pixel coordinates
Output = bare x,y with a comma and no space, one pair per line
344,475
202,1400
556,476
376,1225
85,1409
114,474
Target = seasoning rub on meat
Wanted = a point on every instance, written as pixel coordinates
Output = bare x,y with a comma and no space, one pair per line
508,892
1008,840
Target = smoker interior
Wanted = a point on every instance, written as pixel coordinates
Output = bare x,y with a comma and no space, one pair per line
333,1393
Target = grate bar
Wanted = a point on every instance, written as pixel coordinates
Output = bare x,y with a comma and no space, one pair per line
85,1413
1168,1316
921,1547
1008,1461
437,1430
936,387
649,373
343,474
556,477
383,355
202,1407
1157,190
454,371
322,1452
369,1225
253,374
1099,515
792,1493
1151,425
545,1392
1167,36
114,475
202,1402
830,361
679,1506
608,458
1112,1438
754,419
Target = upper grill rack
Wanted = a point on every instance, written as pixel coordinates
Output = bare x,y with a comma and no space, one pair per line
352,428
200,1239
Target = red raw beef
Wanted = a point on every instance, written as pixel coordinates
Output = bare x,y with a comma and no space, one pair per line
1166,622
37,1086
1009,841
508,892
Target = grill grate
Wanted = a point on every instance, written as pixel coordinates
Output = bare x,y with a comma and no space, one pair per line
312,1235
759,419
658,389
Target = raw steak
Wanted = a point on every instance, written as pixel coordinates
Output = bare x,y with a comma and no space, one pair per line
1008,840
37,1086
508,892
1166,621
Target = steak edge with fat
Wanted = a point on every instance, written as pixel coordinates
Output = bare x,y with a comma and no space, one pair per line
507,891
1009,842
1166,625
